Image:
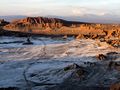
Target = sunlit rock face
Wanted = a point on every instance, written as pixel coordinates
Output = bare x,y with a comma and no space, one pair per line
38,23
59,26
55,26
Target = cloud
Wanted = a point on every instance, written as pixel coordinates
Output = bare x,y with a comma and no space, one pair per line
81,11
66,11
60,8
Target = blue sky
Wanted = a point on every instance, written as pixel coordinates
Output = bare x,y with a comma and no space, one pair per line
60,7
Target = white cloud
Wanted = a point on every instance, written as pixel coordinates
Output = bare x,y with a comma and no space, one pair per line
65,11
81,11
60,8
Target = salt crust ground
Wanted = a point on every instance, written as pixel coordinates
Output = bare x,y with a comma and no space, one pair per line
47,61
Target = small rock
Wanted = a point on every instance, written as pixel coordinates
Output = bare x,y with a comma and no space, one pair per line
101,57
28,42
70,67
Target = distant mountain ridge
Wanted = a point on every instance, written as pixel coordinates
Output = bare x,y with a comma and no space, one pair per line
85,18
12,17
91,19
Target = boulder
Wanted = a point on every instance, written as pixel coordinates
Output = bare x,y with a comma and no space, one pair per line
28,42
101,57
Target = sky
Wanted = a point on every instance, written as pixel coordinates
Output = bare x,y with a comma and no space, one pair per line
60,7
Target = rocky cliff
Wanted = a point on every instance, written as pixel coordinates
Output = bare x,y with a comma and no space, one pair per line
38,23
54,26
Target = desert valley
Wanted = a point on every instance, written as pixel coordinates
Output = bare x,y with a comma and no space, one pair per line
40,53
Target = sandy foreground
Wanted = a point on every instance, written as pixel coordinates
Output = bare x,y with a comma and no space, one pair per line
54,66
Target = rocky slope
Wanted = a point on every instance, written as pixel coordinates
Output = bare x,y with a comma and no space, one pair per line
42,25
53,26
39,23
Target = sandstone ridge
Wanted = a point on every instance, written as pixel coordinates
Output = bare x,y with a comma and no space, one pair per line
54,26
40,23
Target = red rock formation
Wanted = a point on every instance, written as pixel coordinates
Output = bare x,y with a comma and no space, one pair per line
38,23
54,26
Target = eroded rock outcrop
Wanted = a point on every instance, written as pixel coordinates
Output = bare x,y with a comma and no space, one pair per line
115,43
53,26
38,23
101,57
